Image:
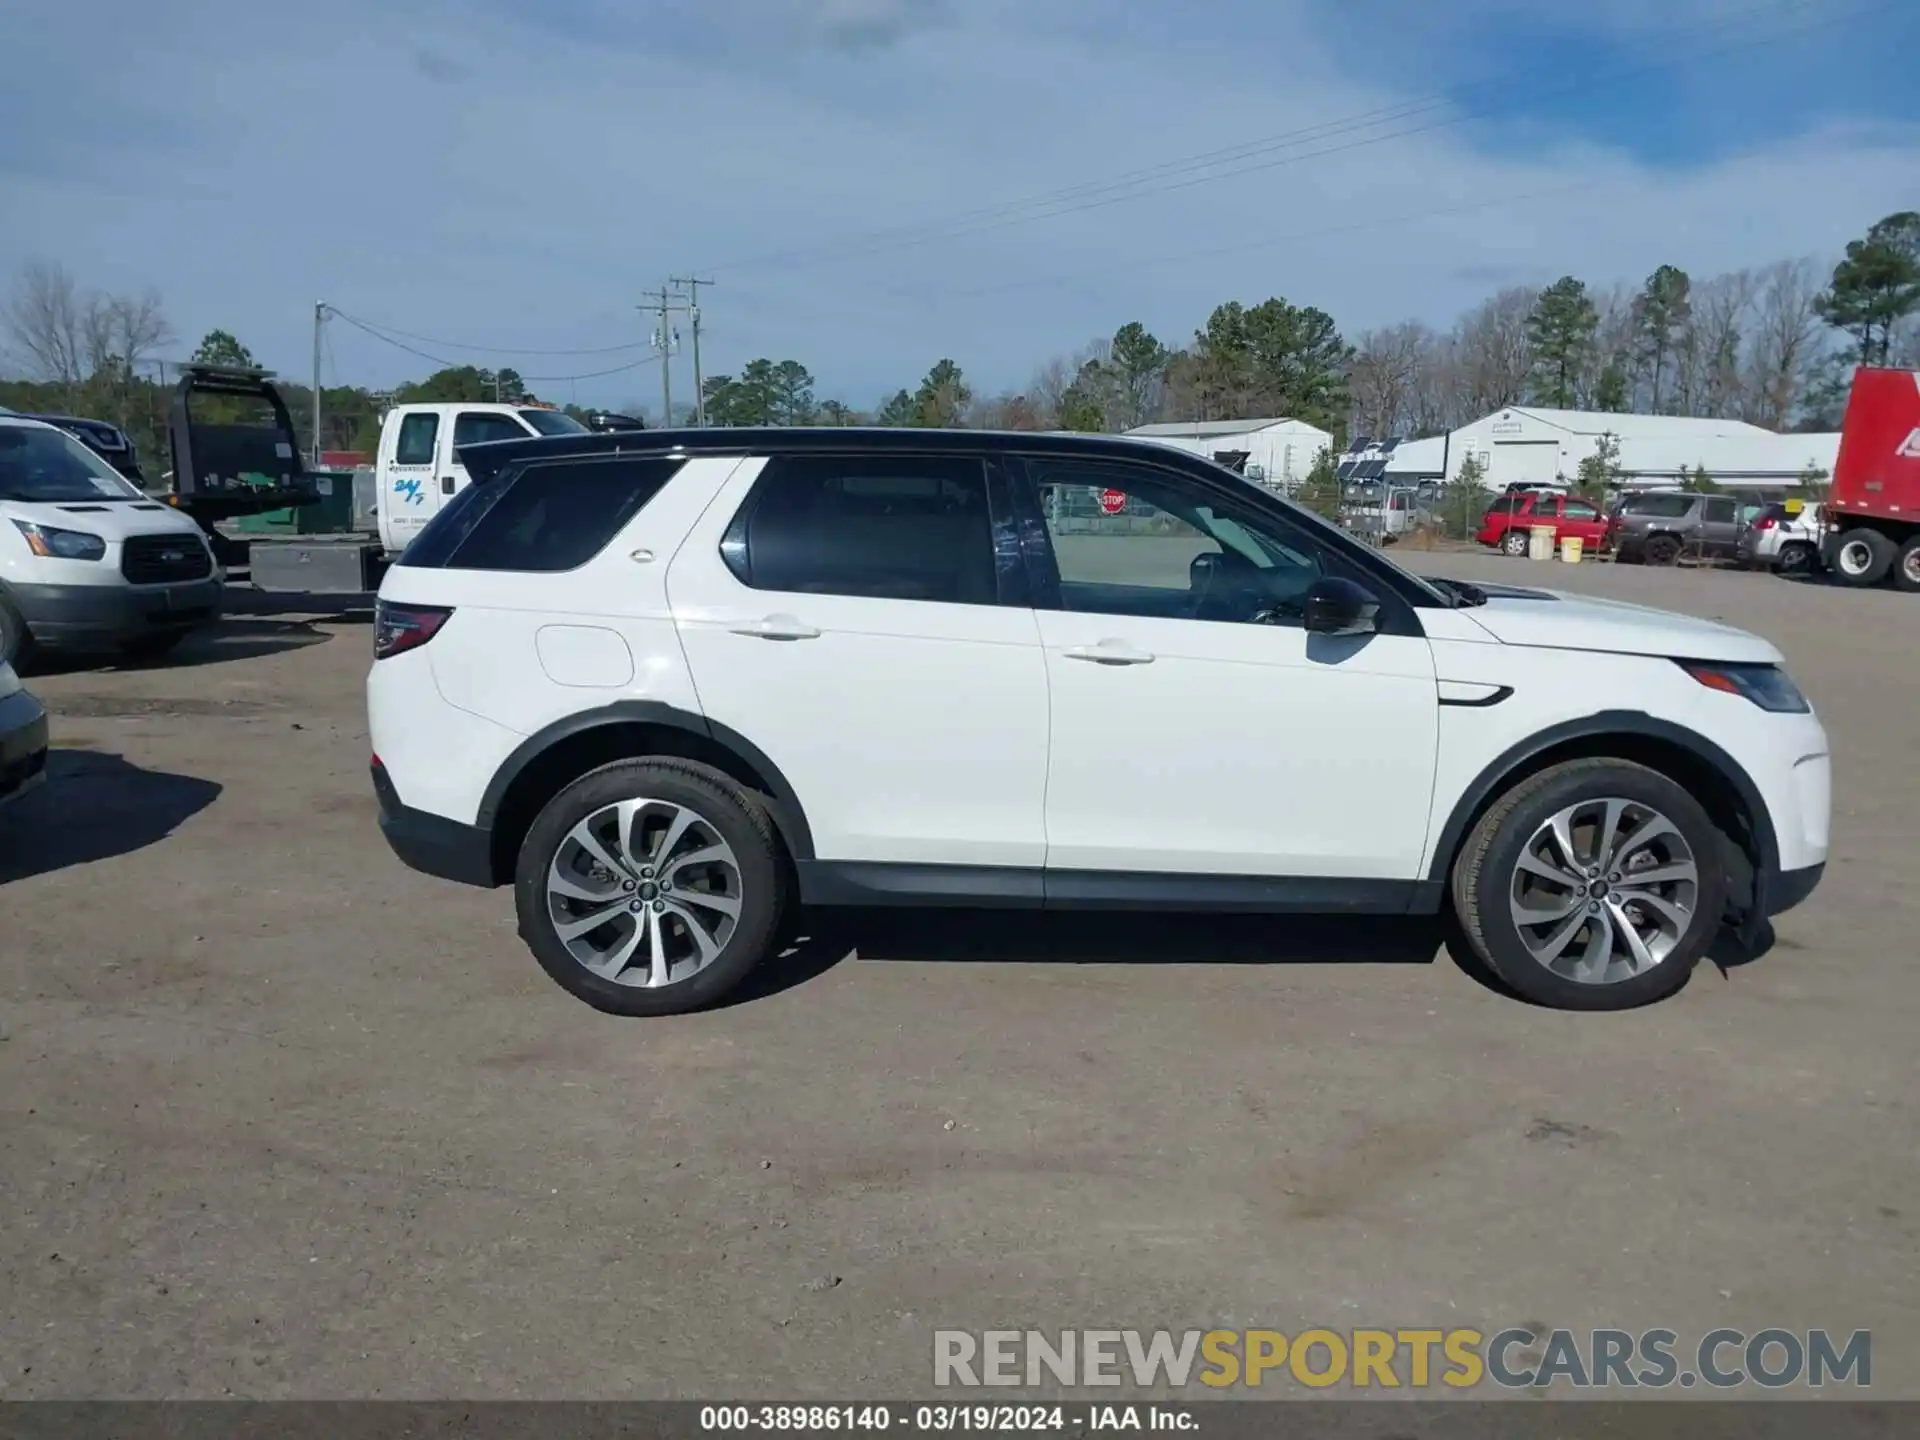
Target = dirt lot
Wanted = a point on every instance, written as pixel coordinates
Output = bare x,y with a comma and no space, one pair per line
282,1118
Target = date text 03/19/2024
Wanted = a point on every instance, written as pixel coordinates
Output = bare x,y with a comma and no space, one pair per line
943,1418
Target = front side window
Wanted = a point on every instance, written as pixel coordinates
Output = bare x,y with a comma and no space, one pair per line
42,464
907,527
544,519
1133,541
418,432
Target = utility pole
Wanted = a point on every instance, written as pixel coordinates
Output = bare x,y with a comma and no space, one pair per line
664,303
319,319
693,285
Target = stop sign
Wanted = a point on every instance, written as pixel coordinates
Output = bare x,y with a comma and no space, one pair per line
1113,501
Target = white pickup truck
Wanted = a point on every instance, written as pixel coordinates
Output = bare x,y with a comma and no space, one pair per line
418,465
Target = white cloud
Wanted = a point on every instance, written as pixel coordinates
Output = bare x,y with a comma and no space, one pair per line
468,174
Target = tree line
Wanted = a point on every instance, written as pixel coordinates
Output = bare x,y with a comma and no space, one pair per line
1774,346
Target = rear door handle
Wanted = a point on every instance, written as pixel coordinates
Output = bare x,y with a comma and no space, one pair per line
1110,652
777,627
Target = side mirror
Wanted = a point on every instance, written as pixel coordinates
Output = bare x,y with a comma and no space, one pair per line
1337,606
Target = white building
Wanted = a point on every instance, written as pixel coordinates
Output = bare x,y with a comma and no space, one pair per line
1276,452
1529,443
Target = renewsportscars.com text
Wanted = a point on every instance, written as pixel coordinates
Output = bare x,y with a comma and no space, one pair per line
1418,1359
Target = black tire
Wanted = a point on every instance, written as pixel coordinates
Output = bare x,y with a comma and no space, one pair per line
155,645
1796,558
16,641
1906,567
1514,543
734,814
1862,557
1662,549
1483,873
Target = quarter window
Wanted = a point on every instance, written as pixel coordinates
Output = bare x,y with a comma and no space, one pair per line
898,528
545,519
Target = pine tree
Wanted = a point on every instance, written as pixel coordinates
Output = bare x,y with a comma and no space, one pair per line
1561,329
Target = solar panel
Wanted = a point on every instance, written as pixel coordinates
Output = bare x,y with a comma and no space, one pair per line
1372,469
1389,444
1346,469
1360,442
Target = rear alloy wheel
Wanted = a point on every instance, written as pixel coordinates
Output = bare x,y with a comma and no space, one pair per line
650,887
1595,885
1797,558
1863,557
1663,550
1906,569
1514,542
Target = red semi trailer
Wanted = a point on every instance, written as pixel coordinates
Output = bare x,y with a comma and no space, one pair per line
1873,510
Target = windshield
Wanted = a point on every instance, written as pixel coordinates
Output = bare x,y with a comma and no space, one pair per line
553,422
42,464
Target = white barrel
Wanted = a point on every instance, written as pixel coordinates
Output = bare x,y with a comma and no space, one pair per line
1540,542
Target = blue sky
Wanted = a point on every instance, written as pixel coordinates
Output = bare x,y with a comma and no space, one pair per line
875,184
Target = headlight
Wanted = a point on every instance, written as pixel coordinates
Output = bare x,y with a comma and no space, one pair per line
55,544
1765,685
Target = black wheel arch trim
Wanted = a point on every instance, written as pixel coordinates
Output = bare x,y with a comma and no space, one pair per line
788,817
1493,779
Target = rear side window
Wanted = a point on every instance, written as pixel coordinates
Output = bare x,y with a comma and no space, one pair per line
417,435
1663,507
909,527
477,427
545,519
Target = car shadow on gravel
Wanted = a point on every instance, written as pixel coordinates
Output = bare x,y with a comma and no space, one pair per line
94,806
821,939
221,643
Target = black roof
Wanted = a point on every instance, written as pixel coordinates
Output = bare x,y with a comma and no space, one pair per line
492,455
485,460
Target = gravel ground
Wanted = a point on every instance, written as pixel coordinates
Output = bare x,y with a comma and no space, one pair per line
282,1118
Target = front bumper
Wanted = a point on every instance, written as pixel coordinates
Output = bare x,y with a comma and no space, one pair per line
433,844
23,745
99,617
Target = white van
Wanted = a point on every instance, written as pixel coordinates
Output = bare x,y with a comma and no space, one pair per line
417,468
87,560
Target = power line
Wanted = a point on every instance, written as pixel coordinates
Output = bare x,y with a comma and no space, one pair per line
487,349
1133,186
447,364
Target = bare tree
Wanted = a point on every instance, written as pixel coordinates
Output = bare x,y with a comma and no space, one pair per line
1708,358
1494,355
1384,376
1785,345
46,324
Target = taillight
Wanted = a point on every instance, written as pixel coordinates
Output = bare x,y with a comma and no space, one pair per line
400,628
1765,522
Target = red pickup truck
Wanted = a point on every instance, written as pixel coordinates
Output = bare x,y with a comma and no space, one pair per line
1508,520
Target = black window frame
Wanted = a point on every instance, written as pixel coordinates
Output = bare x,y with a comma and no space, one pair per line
1399,614
433,438
471,506
1010,572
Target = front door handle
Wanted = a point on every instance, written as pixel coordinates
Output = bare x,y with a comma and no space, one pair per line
777,627
1110,652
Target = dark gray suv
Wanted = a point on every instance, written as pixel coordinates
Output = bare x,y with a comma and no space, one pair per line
1659,528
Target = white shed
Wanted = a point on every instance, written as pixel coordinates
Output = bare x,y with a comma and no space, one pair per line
1539,445
1278,452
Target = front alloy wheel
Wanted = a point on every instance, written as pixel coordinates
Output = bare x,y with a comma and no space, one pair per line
1592,885
1604,890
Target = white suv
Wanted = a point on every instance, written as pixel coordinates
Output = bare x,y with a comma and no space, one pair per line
669,684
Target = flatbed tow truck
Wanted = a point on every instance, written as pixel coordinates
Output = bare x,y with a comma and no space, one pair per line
235,456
